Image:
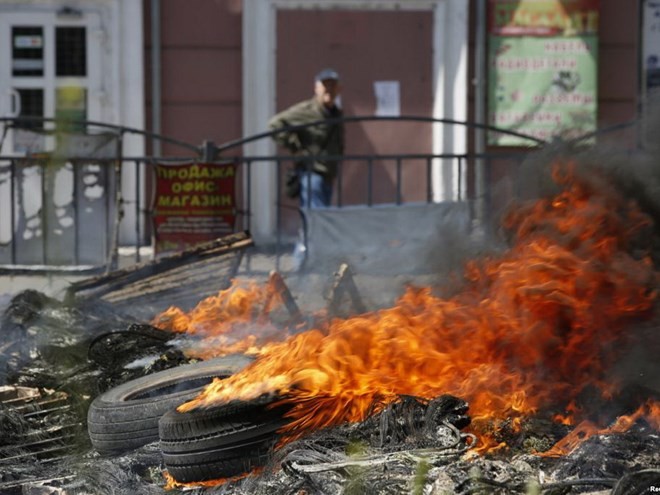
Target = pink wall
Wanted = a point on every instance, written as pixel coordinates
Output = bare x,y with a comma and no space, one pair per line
201,67
201,70
618,61
361,47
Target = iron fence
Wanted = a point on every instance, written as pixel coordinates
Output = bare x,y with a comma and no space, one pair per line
73,209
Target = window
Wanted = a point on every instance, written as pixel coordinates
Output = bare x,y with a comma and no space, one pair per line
28,136
70,51
27,51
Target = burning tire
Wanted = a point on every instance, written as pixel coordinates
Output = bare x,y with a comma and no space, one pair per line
220,442
126,417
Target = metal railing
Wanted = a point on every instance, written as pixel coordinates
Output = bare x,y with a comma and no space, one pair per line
359,180
64,211
62,203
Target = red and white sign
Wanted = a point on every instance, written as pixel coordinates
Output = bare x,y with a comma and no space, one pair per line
194,203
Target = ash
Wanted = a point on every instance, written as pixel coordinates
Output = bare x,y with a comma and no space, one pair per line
396,453
54,359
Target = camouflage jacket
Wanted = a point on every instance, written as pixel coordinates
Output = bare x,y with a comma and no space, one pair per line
324,139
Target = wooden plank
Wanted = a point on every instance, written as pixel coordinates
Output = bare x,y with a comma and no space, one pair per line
183,279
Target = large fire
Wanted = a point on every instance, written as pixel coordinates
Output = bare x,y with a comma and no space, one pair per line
525,335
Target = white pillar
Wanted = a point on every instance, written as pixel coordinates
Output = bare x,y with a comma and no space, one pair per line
450,45
258,107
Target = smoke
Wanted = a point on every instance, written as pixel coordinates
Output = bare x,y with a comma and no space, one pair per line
629,156
627,160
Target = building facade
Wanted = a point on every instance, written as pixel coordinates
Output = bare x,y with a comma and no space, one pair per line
218,69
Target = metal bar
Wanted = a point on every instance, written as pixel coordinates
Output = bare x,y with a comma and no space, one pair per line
460,175
110,186
248,201
340,184
26,120
480,183
278,212
150,172
47,411
17,121
247,205
47,440
76,211
38,403
43,215
488,198
24,481
53,429
13,180
429,180
352,157
138,232
398,181
370,173
349,119
156,85
33,454
113,245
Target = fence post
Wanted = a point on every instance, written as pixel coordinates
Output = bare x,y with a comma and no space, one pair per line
209,151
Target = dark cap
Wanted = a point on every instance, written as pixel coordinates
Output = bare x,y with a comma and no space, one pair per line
327,74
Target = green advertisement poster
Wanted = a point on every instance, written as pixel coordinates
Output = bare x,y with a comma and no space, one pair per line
543,64
542,86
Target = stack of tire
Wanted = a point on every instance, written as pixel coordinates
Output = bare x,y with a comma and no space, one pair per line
198,445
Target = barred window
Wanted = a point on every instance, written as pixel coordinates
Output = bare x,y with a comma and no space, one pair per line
70,51
27,51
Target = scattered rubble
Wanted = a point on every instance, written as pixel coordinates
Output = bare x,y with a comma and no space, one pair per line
59,360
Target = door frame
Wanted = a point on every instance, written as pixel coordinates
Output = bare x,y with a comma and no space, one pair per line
450,100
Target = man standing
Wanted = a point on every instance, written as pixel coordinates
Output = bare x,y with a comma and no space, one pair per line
316,142
315,146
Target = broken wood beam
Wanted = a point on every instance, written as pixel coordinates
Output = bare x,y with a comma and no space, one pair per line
141,291
279,287
344,283
103,284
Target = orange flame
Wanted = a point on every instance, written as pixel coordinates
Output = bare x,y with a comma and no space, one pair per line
172,484
650,411
528,331
233,321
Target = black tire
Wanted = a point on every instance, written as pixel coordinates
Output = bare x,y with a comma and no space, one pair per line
220,442
126,417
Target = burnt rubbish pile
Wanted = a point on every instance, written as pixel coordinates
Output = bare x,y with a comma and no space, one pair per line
54,359
535,373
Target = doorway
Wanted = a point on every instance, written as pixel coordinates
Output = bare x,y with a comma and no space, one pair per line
360,46
448,21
